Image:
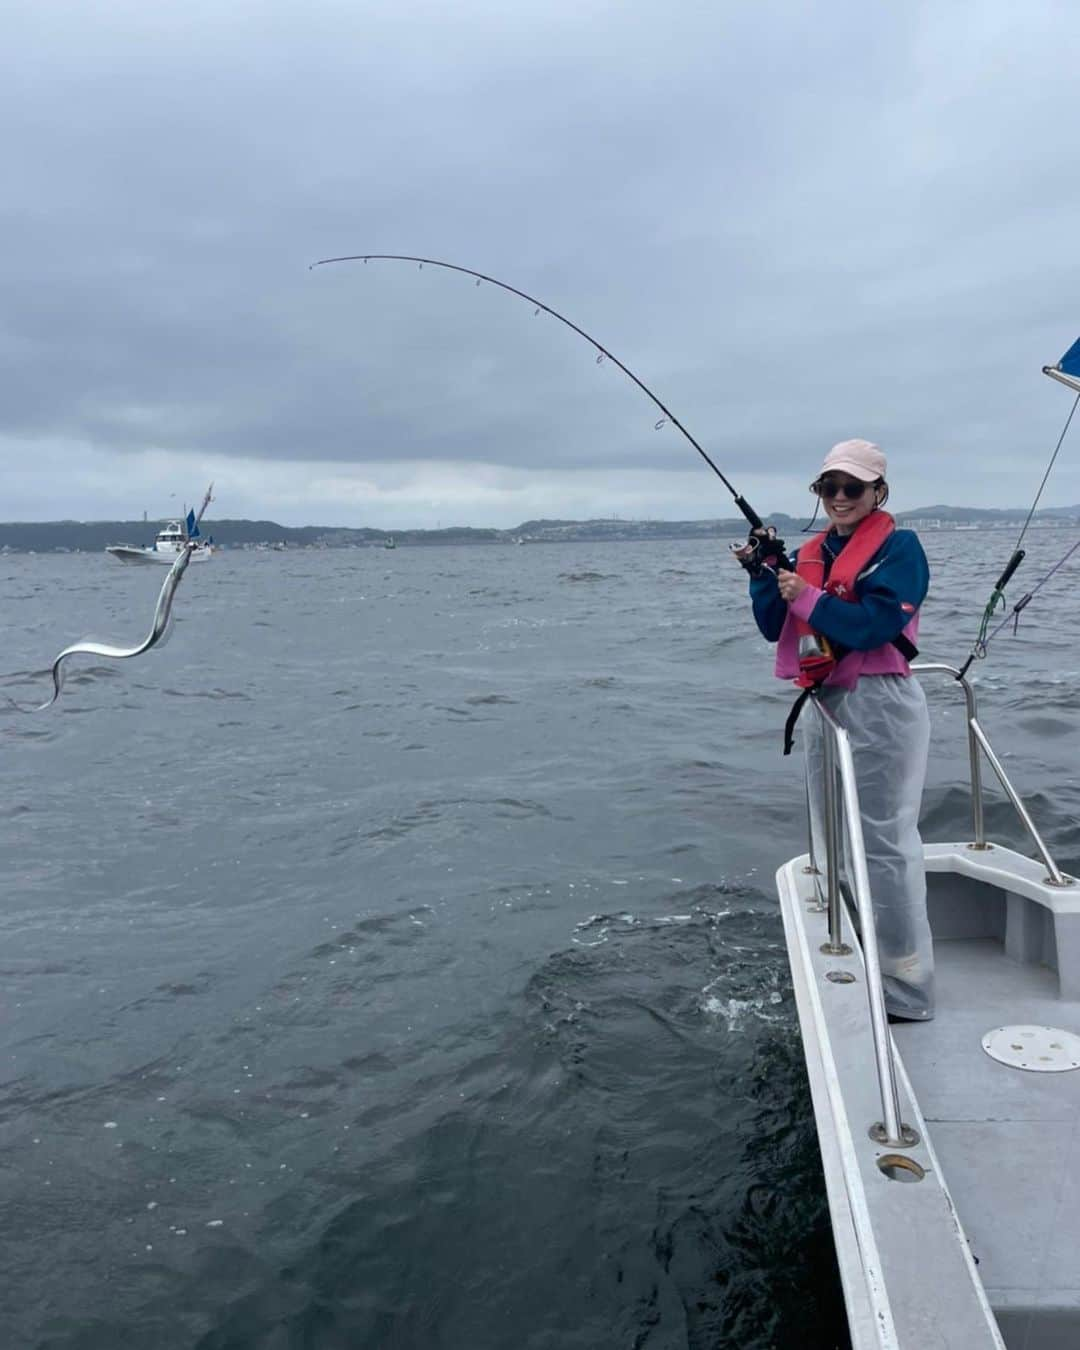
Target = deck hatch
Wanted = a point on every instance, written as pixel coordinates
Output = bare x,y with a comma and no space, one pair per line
1037,1049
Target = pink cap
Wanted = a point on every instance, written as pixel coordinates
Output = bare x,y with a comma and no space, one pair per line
861,459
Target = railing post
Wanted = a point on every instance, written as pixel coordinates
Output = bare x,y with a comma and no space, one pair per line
977,739
835,946
817,905
1056,877
977,824
890,1129
979,841
976,785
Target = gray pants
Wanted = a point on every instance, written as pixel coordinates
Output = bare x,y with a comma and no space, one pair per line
887,723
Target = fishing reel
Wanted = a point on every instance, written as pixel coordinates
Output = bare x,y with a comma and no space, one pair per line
763,550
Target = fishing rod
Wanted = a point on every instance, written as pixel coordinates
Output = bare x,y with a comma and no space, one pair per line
764,547
1066,372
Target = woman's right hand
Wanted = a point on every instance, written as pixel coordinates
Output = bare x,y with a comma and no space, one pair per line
791,584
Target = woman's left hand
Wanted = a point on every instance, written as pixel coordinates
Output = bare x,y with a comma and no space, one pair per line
791,584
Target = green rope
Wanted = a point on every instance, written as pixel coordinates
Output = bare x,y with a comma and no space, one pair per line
996,601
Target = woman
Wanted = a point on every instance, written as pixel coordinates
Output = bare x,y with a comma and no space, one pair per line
846,620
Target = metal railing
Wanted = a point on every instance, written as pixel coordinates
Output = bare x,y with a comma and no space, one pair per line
838,760
978,740
839,763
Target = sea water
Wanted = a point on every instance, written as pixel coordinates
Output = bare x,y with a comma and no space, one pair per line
392,959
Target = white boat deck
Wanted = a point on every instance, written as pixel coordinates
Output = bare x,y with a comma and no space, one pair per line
1008,1139
910,1282
994,1222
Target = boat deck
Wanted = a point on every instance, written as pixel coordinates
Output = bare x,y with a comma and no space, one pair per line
995,1224
1008,1138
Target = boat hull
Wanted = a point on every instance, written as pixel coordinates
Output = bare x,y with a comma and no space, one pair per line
140,556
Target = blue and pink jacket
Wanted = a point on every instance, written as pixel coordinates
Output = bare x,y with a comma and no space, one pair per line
888,593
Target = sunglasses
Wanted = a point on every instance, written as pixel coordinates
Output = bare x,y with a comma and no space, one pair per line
829,488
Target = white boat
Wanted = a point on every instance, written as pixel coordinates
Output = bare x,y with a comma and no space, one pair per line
171,539
169,542
976,1109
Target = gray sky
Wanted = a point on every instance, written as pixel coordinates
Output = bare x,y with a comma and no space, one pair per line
797,223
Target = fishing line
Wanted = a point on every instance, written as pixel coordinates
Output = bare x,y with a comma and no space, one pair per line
604,354
997,595
1046,475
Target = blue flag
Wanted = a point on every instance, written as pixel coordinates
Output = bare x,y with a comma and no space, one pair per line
192,526
1067,370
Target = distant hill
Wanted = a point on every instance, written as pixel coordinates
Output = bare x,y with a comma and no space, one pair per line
93,536
978,515
53,536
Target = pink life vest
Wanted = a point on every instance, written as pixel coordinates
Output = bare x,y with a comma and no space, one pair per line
817,656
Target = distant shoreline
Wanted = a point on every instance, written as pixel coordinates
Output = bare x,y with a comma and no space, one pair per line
70,536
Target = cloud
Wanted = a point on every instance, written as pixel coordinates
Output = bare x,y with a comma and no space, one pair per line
795,226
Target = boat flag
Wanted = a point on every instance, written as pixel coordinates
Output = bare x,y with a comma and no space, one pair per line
192,525
1067,370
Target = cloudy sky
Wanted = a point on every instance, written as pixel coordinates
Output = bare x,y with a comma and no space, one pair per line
796,223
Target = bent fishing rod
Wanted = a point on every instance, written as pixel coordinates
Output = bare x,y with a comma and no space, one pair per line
764,547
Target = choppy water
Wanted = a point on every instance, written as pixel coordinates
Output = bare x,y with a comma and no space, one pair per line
393,961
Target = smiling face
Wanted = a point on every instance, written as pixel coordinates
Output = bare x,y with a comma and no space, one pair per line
844,511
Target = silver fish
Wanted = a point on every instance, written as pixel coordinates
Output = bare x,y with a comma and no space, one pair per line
162,612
